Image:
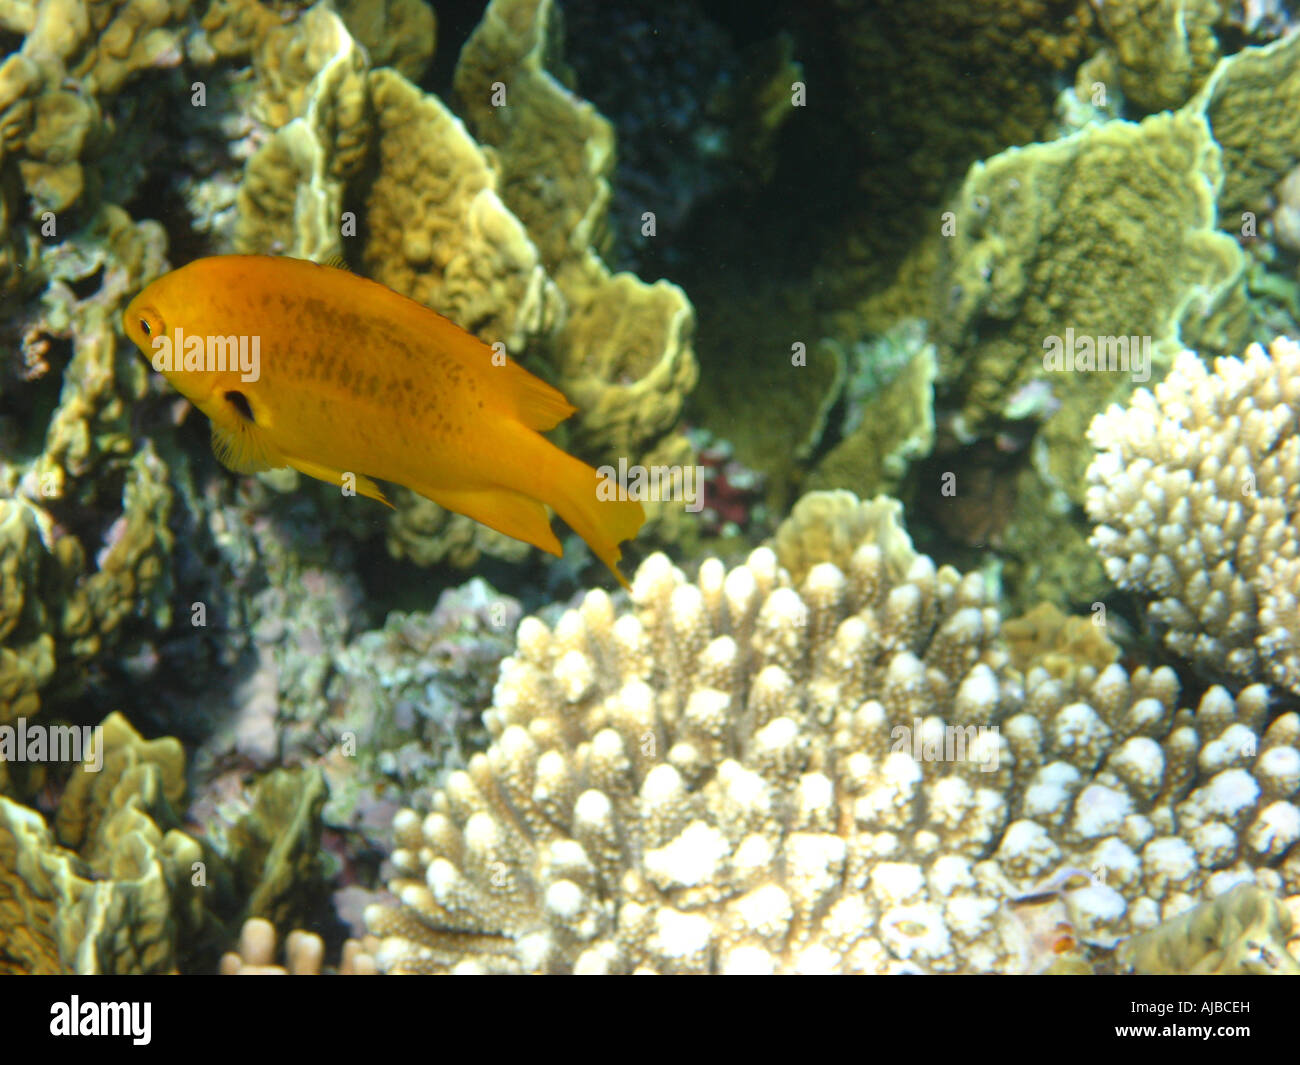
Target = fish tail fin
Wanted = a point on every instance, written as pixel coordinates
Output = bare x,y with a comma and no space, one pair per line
602,523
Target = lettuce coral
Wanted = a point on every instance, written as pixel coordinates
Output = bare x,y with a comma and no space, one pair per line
1056,237
463,226
113,890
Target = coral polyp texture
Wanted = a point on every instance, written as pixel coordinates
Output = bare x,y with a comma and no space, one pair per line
738,775
1195,496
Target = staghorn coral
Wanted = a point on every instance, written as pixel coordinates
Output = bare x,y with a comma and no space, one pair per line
1194,494
304,954
1241,933
714,781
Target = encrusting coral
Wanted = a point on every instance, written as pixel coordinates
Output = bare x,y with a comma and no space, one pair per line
1194,493
1252,103
742,775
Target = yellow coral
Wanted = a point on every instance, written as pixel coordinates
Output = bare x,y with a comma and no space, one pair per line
1242,932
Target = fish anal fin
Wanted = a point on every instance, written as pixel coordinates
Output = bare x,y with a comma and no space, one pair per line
505,511
363,484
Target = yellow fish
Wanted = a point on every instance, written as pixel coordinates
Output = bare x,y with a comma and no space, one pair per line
346,380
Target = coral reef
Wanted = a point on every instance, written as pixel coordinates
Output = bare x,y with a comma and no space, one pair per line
304,954
1052,241
890,417
1241,933
463,226
1250,104
113,889
695,113
715,781
1062,645
409,693
831,526
1160,51
1194,494
623,355
273,846
988,72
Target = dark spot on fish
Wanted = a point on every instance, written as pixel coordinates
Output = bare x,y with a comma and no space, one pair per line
240,402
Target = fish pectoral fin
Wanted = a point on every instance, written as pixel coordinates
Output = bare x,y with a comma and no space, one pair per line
505,511
362,484
242,448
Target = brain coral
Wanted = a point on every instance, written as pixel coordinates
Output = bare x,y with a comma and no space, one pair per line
716,780
1196,502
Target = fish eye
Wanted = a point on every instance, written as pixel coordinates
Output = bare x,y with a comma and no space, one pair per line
151,325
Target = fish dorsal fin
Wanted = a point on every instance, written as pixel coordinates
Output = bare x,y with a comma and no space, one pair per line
337,262
537,404
242,448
